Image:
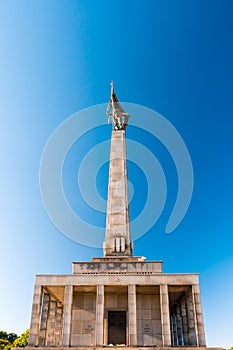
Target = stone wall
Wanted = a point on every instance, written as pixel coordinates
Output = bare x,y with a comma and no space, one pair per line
114,299
83,327
114,267
149,330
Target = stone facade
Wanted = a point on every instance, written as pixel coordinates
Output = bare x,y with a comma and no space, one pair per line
117,300
162,310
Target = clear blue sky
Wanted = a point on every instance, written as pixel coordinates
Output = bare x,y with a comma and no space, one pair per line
176,57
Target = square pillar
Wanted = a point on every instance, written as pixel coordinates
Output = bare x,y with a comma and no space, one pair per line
35,317
174,333
67,316
184,322
165,315
179,326
100,315
44,319
199,316
132,315
58,326
191,319
51,322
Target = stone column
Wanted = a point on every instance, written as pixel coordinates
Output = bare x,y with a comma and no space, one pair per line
100,315
199,316
173,331
51,322
191,319
184,322
165,315
67,316
175,334
132,315
44,320
58,326
172,335
179,326
117,238
35,317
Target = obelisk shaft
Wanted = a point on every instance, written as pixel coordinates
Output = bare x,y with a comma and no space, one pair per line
117,238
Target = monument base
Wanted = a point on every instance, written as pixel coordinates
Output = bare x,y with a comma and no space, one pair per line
121,348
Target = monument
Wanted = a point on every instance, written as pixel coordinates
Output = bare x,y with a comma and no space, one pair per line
119,299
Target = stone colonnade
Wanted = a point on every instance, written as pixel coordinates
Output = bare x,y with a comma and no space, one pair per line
187,327
47,326
51,320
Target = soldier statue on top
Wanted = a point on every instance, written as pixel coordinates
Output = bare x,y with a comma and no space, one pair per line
115,112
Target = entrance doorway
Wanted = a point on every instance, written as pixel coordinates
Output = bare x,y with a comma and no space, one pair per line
116,327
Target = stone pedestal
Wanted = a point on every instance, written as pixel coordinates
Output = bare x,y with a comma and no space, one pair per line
160,309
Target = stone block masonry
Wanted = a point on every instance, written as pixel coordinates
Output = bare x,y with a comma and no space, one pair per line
118,300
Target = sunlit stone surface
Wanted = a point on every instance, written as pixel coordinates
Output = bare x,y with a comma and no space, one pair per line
118,300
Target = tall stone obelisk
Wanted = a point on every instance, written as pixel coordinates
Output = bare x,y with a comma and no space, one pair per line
117,237
118,300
